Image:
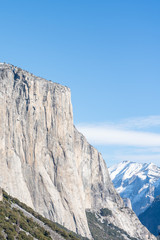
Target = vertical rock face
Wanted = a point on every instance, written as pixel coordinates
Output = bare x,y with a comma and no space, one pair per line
45,161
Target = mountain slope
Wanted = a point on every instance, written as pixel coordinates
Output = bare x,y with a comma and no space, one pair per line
18,221
46,163
138,182
151,217
102,229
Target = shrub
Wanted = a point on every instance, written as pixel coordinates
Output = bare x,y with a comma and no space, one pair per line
105,212
22,236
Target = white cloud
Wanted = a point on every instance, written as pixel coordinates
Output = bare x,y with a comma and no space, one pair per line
146,150
106,135
141,122
133,139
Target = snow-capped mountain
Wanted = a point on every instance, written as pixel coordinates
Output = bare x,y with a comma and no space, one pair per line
138,182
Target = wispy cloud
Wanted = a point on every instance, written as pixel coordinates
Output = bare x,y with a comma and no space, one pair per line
128,132
105,136
140,122
146,150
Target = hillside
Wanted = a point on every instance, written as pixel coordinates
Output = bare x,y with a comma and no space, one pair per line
102,229
138,182
18,221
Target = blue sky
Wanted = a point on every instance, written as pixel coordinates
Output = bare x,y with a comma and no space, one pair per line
108,53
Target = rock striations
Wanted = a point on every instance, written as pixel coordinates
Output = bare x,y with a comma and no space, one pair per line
47,163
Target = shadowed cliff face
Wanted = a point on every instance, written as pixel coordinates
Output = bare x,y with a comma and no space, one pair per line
45,161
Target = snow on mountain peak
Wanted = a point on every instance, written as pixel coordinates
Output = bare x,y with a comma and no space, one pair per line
136,181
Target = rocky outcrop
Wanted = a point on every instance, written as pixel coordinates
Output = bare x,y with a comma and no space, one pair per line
45,161
127,203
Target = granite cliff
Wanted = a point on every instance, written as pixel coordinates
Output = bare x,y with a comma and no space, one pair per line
46,163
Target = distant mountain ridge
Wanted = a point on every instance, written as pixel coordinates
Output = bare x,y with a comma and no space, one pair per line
151,217
138,182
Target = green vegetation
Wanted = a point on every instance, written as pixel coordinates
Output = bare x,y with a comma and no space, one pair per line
104,230
105,212
16,225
